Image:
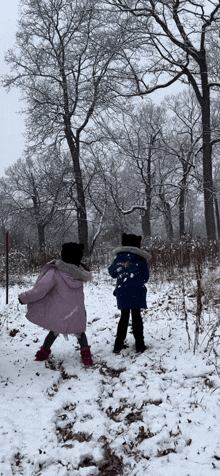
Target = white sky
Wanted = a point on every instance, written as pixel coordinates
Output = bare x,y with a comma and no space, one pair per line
11,122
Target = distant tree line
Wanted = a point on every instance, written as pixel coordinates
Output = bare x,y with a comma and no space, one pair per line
100,156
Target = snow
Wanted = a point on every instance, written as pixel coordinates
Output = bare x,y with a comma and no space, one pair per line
155,413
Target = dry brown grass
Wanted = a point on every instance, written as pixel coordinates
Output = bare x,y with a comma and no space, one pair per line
167,260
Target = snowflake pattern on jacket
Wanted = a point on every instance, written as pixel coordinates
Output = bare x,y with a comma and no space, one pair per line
131,271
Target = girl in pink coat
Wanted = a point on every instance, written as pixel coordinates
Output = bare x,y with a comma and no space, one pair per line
56,302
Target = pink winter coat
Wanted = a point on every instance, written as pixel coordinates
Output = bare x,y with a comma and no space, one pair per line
56,302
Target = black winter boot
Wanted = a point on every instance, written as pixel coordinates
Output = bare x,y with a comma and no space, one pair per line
118,347
141,348
121,331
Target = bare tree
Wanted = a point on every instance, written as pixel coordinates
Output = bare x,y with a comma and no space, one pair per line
135,138
108,219
6,213
183,143
61,64
35,190
175,46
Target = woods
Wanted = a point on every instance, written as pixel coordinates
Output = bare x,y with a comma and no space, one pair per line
101,155
122,113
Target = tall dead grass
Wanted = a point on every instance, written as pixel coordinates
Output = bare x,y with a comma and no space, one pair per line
167,260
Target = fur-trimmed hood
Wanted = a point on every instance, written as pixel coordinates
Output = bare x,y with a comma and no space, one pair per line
72,269
80,274
131,249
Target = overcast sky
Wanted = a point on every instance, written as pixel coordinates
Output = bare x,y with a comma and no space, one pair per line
11,122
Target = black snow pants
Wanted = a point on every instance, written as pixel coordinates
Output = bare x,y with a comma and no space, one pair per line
137,326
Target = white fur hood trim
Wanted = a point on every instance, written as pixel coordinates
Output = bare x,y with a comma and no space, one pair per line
131,249
79,274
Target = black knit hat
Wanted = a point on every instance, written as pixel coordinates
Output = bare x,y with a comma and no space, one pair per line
131,240
72,253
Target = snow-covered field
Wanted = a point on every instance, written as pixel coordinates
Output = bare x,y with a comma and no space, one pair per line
156,413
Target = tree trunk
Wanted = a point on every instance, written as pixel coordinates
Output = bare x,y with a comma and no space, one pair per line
145,217
41,237
145,223
74,147
207,154
81,203
182,200
182,213
208,183
168,220
167,216
217,216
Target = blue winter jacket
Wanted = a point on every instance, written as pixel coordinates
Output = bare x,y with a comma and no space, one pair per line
131,270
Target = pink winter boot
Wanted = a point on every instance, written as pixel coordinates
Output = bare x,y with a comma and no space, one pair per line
86,356
42,354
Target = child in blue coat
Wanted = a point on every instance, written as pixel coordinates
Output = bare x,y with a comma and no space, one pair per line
131,270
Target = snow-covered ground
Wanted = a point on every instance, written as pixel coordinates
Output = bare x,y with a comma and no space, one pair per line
156,413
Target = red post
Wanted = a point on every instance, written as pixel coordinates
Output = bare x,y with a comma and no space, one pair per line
7,251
